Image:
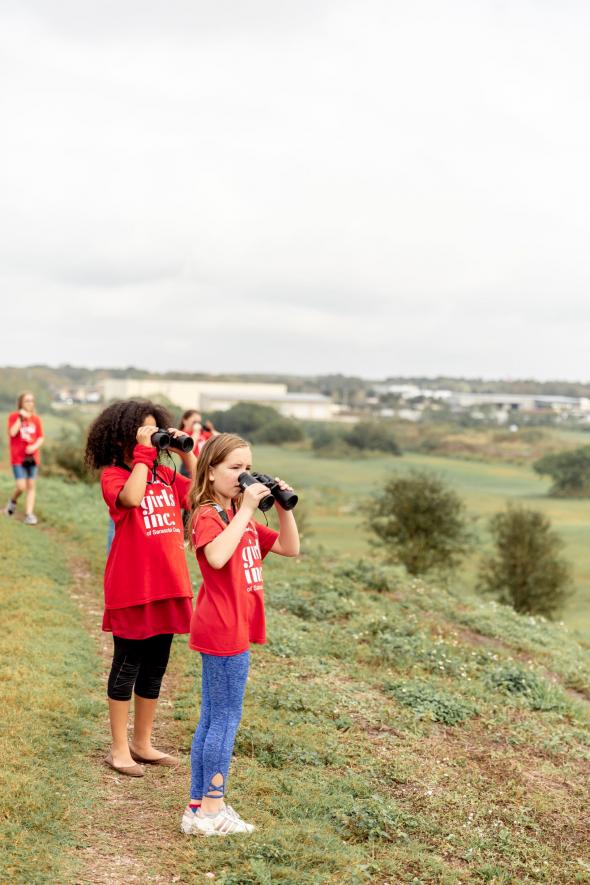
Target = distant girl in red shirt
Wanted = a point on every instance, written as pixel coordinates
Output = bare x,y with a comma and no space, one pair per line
25,433
229,615
146,584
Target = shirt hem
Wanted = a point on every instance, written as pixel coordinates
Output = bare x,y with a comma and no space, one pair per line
150,633
147,601
224,654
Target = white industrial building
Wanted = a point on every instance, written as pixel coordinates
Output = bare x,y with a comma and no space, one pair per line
213,396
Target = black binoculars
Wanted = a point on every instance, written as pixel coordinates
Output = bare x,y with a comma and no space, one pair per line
286,499
161,439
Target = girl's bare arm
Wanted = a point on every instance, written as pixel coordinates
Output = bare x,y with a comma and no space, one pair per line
287,544
221,549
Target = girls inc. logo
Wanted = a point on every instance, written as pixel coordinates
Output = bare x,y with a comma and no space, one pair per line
251,555
155,509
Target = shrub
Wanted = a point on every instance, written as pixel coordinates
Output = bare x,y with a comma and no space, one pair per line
375,436
65,458
570,472
330,440
279,430
525,570
245,418
420,522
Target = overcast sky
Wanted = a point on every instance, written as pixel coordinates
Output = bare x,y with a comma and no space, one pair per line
374,187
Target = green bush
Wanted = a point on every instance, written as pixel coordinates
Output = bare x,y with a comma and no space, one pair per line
375,436
570,472
330,440
525,570
258,423
244,419
279,430
419,521
65,458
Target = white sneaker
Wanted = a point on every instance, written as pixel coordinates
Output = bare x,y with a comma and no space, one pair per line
30,519
225,823
233,813
10,508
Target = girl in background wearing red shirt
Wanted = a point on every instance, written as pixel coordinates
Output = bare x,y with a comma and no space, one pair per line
229,615
146,584
25,433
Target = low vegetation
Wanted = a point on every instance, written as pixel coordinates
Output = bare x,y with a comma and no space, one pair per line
394,732
420,522
570,472
526,569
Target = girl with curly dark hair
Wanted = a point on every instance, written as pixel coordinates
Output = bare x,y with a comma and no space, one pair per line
146,584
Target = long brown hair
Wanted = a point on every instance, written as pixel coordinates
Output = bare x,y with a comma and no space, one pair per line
19,402
215,450
186,415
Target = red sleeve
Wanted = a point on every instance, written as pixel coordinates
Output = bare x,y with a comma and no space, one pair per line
112,481
266,538
39,426
182,486
11,419
207,528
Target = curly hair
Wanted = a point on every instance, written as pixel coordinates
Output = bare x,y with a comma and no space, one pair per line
112,436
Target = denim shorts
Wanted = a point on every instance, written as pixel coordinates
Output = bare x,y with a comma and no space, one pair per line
21,472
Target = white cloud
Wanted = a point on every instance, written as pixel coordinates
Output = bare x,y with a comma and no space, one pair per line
301,186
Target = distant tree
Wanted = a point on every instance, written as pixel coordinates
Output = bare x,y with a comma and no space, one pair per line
329,440
280,430
244,418
376,436
570,472
525,570
419,521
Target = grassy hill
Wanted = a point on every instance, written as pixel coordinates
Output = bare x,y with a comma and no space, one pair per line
394,732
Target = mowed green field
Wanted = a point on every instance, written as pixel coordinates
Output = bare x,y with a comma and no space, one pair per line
332,490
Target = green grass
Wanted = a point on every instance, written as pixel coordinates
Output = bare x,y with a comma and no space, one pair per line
393,731
48,672
332,490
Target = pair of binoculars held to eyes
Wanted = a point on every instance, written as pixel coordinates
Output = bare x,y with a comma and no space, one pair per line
286,499
161,439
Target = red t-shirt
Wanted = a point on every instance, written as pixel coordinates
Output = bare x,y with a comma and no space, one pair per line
30,431
147,561
229,614
204,435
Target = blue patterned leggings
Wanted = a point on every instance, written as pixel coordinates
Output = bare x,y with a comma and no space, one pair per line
224,684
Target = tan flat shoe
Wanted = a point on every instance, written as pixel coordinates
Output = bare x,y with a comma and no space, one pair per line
129,770
167,760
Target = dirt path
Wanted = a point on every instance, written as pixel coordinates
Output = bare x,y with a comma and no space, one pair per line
120,840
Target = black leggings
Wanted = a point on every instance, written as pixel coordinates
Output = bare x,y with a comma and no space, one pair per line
140,663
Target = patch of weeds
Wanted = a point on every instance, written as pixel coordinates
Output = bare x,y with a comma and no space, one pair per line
316,599
430,702
368,575
516,682
274,751
372,820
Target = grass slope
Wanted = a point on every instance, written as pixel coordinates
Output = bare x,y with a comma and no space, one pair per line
394,732
334,488
48,669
